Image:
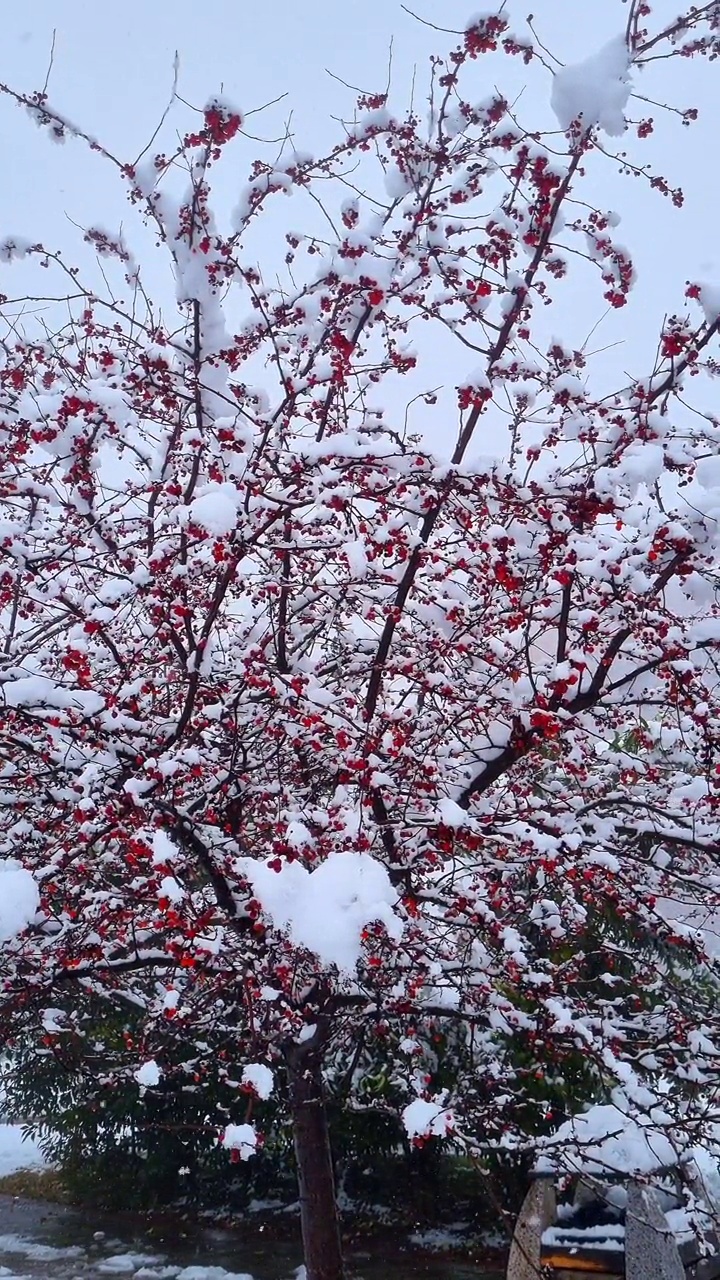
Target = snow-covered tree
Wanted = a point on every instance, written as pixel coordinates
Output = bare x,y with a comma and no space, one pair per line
313,723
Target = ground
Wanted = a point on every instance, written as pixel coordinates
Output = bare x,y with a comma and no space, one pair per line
55,1242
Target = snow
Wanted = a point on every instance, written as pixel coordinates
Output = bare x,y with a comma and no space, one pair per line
241,1138
164,850
11,1243
39,691
298,836
608,1236
605,1139
426,1118
260,1079
708,472
19,899
710,301
170,889
17,1152
215,510
327,909
451,815
124,1263
148,1075
130,1262
356,558
144,1266
155,1272
210,1273
53,1019
595,91
440,1239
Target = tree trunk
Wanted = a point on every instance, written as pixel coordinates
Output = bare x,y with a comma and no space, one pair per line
316,1180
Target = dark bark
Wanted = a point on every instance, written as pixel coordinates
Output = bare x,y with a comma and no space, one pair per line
316,1179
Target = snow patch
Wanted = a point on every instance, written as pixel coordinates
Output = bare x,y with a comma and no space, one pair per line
211,1273
595,91
605,1139
327,909
260,1079
216,509
241,1138
710,301
124,1264
170,889
148,1075
426,1118
19,899
11,1243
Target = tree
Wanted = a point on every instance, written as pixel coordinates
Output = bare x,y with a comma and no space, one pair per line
309,729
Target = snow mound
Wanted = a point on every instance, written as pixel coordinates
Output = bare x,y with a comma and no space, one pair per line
710,301
11,1243
148,1075
595,91
327,909
606,1140
216,509
427,1118
19,899
124,1264
241,1138
259,1078
211,1273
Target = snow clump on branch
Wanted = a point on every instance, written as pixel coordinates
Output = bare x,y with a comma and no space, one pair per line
19,899
595,91
326,910
241,1140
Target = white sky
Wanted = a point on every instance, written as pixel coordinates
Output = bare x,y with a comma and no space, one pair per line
113,68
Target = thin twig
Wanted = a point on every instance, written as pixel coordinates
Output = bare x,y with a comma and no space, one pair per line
450,31
166,112
52,59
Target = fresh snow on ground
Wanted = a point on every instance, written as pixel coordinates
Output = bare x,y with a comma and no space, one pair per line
440,1239
143,1266
17,1152
11,1243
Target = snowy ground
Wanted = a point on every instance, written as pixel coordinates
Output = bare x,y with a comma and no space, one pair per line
38,1240
29,1258
17,1152
68,1249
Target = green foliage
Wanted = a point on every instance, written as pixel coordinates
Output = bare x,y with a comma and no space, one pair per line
120,1146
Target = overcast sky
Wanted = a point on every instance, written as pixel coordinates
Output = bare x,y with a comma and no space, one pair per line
112,72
